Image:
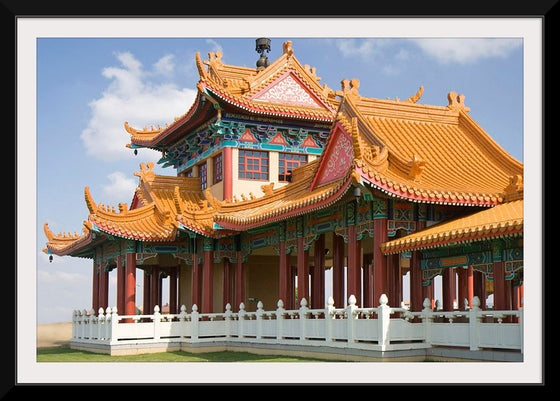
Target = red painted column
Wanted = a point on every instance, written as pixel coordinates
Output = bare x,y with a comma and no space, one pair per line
416,296
302,272
154,290
338,271
499,286
130,291
353,286
461,287
95,288
292,288
239,281
393,272
195,283
284,273
226,284
121,288
173,290
146,299
208,282
318,280
448,289
469,277
379,260
367,286
228,172
103,287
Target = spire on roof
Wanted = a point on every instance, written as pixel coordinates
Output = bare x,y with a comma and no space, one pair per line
262,45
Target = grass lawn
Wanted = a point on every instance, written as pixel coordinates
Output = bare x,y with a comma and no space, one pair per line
64,354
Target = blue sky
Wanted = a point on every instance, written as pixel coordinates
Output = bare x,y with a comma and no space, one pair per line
86,88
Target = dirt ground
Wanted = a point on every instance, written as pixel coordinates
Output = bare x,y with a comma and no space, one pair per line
53,335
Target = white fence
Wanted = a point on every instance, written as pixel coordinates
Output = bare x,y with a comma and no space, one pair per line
377,329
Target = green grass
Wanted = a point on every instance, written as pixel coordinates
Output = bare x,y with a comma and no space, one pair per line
64,354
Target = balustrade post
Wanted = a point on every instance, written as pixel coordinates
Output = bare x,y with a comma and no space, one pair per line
100,319
107,325
114,329
86,331
383,321
427,317
183,320
329,317
279,319
259,322
228,318
474,324
302,318
156,320
74,323
351,315
241,320
194,323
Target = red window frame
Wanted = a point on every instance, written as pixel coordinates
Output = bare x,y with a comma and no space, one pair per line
218,168
202,173
287,162
253,165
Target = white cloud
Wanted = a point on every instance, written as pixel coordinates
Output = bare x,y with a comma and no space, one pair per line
120,187
130,96
165,65
467,50
360,47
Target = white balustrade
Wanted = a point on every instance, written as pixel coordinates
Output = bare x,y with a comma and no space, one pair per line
380,329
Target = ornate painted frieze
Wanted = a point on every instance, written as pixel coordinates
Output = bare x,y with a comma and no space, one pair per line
242,134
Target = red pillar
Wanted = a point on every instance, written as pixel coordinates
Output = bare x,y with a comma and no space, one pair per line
207,282
239,281
416,296
302,272
130,291
292,288
284,274
379,260
228,172
462,287
195,283
338,270
121,288
448,290
469,277
173,289
146,299
499,286
354,284
393,273
103,287
367,285
95,288
318,281
226,284
154,290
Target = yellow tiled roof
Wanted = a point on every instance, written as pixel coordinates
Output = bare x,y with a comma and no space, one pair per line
435,154
239,87
421,153
499,221
292,199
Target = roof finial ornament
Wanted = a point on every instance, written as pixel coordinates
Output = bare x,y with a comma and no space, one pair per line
262,45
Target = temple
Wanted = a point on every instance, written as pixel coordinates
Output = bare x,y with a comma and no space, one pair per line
280,178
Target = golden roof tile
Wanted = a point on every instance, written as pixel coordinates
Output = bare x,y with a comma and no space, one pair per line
499,221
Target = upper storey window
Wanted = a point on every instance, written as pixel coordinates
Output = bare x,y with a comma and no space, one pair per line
253,164
287,162
218,170
203,176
